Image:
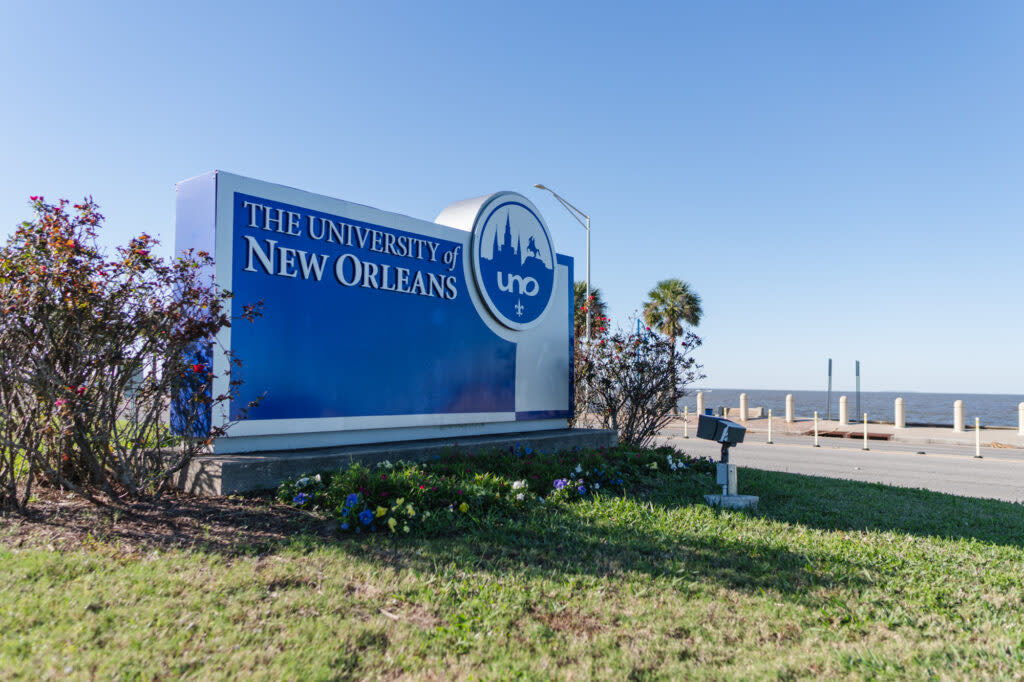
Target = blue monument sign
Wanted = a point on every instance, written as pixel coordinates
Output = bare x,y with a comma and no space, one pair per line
380,327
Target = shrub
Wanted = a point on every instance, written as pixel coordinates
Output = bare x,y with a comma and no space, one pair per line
632,380
92,350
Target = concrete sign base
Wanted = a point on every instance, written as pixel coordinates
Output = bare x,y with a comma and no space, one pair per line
732,501
225,475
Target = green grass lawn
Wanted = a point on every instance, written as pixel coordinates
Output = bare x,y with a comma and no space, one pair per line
828,579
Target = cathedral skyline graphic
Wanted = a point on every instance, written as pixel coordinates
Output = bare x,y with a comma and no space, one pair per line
517,276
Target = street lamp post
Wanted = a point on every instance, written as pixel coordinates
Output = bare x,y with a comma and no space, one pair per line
580,217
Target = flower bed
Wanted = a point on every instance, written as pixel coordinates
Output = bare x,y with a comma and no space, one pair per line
456,490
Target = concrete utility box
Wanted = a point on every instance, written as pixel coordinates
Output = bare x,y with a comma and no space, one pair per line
725,475
720,430
727,433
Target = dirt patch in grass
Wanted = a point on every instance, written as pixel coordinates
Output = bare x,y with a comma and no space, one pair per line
411,613
571,622
230,525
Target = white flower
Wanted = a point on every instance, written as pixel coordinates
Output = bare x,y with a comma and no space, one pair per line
302,482
520,496
518,485
597,486
579,469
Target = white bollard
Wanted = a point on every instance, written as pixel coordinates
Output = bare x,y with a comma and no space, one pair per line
958,416
686,417
844,411
865,431
769,427
816,429
977,437
901,414
789,409
700,403
743,407
1020,419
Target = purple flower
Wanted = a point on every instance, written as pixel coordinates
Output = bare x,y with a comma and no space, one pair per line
365,517
560,483
582,490
301,499
351,500
344,526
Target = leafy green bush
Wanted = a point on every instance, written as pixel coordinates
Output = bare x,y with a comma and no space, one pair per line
455,490
93,347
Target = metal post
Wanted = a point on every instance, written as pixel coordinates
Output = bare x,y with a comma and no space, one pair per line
816,444
577,214
588,280
769,427
865,431
977,438
686,416
858,385
830,389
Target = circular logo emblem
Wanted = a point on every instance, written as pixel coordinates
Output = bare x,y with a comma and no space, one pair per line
513,261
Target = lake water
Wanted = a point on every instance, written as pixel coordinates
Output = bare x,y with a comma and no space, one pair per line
922,408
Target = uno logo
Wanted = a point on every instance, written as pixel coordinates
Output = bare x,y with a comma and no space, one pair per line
513,261
518,285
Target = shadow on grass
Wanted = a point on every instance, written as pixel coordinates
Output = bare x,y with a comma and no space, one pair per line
670,533
836,504
697,544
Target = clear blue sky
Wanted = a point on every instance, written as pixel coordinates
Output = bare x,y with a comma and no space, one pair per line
836,179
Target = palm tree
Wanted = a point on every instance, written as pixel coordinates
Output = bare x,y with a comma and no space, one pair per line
596,309
669,304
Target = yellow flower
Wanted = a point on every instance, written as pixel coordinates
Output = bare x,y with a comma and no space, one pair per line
463,507
381,511
399,501
405,528
409,510
392,523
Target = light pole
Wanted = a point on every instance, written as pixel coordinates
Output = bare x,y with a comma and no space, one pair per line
580,216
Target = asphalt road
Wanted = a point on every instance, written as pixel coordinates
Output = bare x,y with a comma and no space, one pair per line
999,474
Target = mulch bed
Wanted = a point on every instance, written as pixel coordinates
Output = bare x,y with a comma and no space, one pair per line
231,525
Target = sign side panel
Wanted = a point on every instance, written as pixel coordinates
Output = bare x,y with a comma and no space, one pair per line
544,360
195,229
